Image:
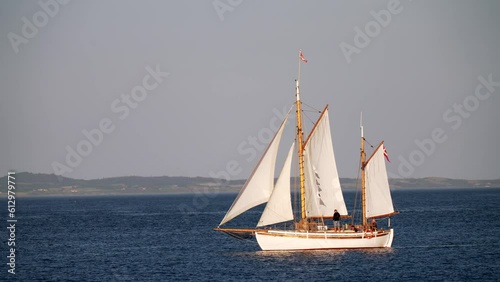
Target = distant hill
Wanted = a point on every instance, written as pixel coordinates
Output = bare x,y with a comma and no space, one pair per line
50,184
428,182
439,182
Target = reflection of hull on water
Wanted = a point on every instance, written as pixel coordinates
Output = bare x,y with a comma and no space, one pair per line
275,240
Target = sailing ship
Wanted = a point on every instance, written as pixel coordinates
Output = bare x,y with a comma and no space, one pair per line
320,194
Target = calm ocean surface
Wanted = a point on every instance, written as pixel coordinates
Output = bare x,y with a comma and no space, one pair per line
440,235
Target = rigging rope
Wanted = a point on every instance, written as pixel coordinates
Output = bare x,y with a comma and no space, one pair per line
304,114
357,193
313,108
367,142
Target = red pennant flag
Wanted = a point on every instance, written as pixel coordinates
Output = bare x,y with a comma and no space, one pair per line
302,56
386,155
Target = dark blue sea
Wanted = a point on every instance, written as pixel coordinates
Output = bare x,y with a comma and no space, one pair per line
440,235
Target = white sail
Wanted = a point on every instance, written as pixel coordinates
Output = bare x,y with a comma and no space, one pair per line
378,194
323,192
259,185
279,206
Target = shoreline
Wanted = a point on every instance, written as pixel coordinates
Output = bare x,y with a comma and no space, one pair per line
187,193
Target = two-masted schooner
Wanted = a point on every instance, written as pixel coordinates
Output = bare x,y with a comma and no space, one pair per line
320,194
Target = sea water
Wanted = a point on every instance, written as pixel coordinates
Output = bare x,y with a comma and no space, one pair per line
440,235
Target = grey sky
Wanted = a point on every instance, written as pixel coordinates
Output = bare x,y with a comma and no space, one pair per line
228,69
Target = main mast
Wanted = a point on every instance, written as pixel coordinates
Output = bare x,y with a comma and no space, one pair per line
300,138
363,185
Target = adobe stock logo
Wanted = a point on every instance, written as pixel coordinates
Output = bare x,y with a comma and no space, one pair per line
372,29
454,117
29,29
223,6
122,108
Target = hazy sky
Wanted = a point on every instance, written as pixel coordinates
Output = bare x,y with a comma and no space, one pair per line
186,87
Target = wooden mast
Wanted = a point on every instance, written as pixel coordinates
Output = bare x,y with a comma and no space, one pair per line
300,137
363,185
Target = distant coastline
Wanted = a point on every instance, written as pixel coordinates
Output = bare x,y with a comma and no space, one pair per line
40,184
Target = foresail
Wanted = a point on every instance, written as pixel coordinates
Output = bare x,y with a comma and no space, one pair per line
378,194
323,191
259,185
279,206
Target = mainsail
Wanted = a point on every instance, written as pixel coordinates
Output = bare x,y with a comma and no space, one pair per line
259,185
378,194
323,192
279,206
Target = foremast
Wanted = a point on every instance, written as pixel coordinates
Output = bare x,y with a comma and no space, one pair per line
300,141
363,184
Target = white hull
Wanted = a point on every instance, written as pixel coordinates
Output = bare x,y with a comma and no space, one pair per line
282,240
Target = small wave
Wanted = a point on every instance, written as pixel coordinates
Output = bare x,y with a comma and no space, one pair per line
441,246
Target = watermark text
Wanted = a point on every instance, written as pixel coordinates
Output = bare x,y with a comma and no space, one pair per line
11,222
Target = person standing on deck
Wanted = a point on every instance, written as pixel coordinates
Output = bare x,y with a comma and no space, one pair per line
374,225
336,220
